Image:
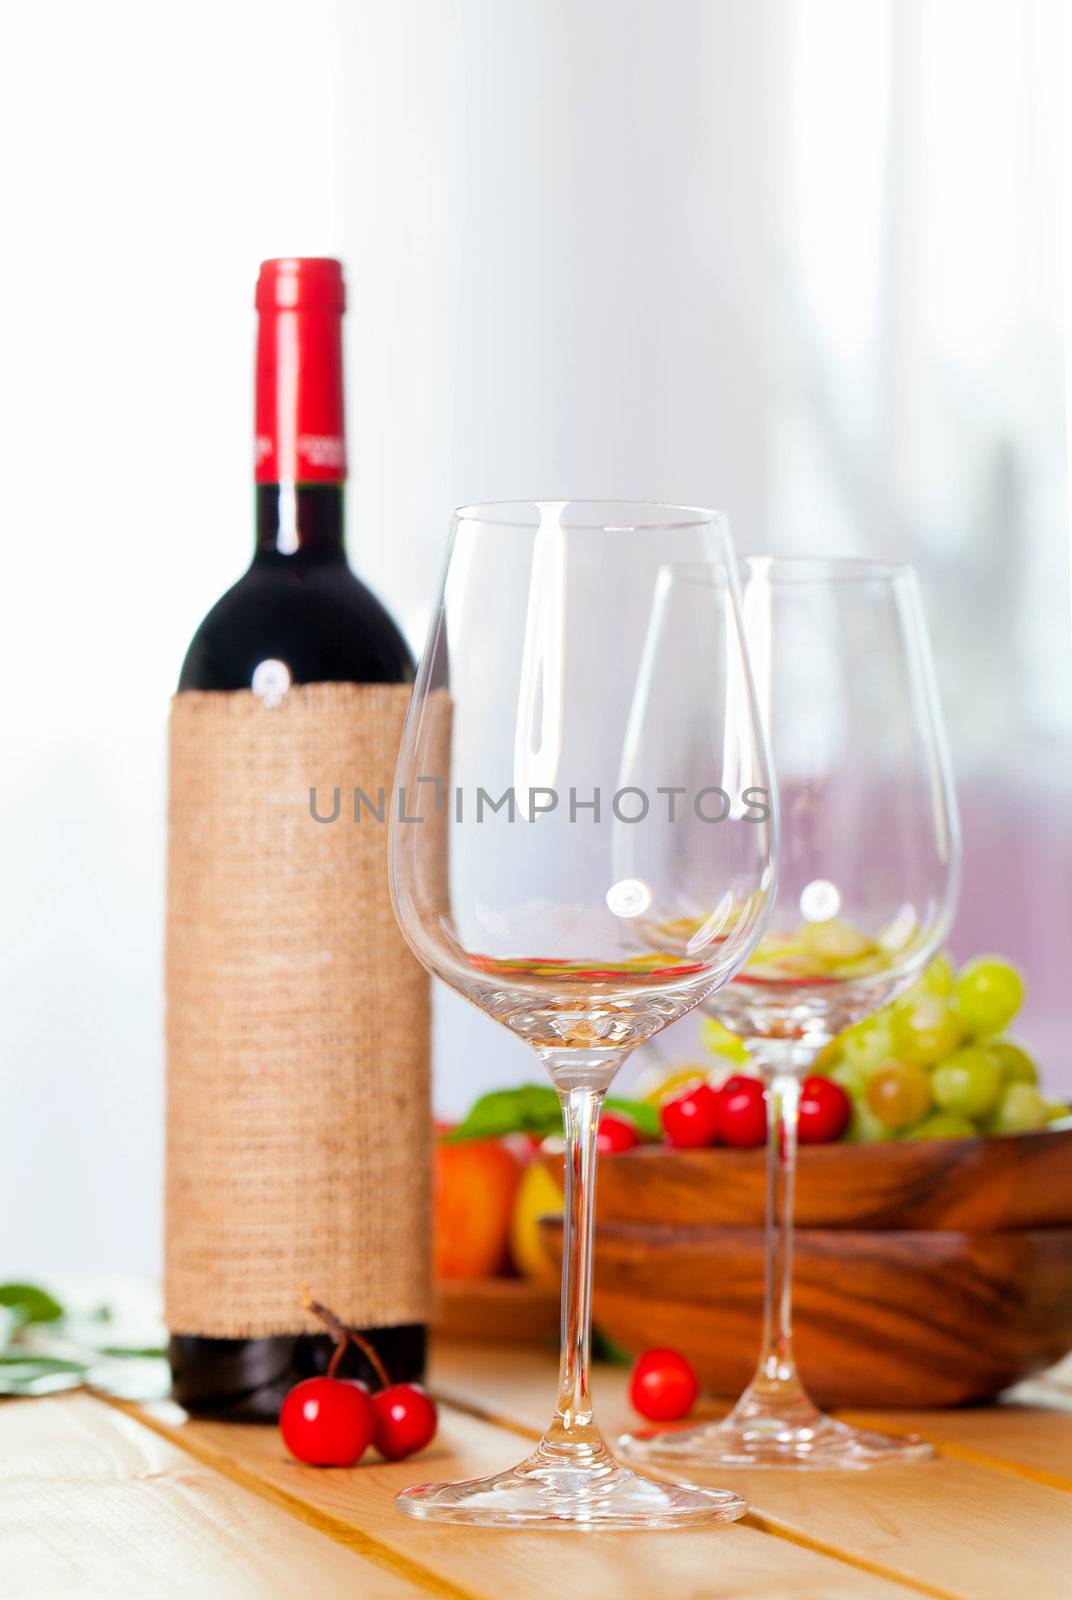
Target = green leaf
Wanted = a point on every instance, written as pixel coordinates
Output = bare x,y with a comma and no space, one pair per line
30,1303
29,1374
534,1108
120,1352
604,1349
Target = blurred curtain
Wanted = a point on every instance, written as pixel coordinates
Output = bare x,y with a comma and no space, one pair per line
920,402
797,258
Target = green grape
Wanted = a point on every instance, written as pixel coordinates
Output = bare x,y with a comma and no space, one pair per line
899,1094
968,1084
829,1055
1015,1063
942,1125
1021,1109
865,1128
925,1031
850,1078
867,1045
940,977
989,994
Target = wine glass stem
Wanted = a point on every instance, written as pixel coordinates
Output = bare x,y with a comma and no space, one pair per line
572,1424
777,1373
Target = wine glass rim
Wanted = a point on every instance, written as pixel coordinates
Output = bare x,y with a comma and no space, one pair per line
826,569
656,514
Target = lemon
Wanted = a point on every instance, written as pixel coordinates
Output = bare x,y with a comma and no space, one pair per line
538,1196
659,1084
722,1041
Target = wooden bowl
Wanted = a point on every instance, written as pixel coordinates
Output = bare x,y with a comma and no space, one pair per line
1015,1181
927,1273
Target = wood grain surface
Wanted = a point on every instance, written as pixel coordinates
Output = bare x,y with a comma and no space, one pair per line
1017,1181
922,1318
963,1530
1029,1441
93,1504
736,1562
98,1499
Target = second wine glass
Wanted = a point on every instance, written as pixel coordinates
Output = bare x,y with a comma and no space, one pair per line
530,864
868,875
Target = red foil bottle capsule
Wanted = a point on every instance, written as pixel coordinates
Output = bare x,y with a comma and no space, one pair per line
300,427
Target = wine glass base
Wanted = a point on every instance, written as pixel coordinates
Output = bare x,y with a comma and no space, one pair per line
544,1493
820,1445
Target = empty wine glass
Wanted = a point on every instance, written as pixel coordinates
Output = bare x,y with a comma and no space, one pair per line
868,872
528,870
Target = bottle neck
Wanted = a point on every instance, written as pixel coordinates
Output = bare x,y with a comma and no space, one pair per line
299,423
303,520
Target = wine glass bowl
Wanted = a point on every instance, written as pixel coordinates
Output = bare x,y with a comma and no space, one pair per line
869,855
570,730
547,875
868,875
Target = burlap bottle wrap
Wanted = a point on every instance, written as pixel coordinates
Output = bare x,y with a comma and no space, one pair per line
298,1119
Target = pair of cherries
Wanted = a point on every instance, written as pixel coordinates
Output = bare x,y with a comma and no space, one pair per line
330,1421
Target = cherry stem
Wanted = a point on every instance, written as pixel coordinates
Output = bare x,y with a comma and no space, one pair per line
337,1355
344,1336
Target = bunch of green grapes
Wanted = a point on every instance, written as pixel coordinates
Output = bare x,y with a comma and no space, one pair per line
934,1065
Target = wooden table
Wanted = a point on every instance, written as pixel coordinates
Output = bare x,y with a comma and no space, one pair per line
112,1500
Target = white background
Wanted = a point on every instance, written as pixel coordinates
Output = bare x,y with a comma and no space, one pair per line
800,259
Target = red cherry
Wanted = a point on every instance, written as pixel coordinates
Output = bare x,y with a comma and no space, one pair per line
691,1119
405,1420
743,1081
615,1133
742,1112
825,1111
663,1386
327,1422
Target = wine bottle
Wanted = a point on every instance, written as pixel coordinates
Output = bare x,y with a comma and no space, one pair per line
298,1119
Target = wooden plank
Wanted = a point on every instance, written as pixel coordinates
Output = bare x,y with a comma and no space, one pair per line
93,1504
1033,1442
516,1386
730,1561
967,1530
953,1524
